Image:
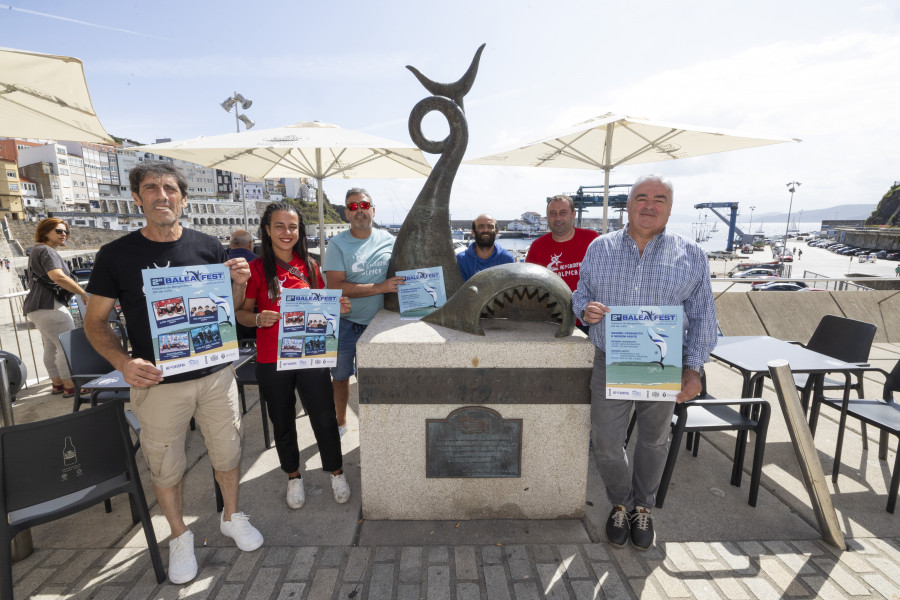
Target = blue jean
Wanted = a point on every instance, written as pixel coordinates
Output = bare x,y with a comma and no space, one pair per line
349,334
609,427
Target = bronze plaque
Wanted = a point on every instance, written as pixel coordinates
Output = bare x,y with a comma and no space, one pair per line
473,442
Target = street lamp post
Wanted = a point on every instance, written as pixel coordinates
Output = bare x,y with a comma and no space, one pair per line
752,208
238,101
792,187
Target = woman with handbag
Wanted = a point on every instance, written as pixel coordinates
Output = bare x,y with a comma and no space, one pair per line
48,298
284,264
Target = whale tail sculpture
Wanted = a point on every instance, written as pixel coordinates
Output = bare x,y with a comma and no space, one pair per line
425,239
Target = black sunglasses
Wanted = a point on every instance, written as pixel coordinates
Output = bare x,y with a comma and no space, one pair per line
61,231
361,205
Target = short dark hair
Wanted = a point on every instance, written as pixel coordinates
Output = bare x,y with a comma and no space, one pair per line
562,198
156,168
355,191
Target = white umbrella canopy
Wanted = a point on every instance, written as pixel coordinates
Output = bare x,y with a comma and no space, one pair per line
305,149
44,96
612,140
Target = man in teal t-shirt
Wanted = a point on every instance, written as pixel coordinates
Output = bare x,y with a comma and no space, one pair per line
356,262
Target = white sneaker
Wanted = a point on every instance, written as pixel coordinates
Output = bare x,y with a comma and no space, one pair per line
245,536
342,429
182,562
296,495
341,488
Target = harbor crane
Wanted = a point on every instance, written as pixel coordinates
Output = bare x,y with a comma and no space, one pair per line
583,199
731,220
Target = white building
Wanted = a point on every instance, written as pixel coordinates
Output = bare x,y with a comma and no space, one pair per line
57,157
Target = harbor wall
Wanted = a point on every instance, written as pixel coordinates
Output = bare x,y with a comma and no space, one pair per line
883,239
794,315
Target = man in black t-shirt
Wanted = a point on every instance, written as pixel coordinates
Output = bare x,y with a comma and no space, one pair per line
165,408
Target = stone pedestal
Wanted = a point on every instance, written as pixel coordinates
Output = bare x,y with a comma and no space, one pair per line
516,443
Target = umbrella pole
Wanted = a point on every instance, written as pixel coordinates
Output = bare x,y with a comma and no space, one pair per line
607,161
605,201
320,194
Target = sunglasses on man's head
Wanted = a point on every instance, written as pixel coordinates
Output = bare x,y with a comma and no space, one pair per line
360,205
61,232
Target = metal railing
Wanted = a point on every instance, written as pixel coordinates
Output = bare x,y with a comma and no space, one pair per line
19,336
817,282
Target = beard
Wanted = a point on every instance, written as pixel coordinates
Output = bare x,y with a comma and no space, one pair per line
486,239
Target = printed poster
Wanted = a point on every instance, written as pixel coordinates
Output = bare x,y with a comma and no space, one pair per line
192,319
308,329
644,352
422,293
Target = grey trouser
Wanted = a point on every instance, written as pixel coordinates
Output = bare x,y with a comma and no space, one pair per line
609,426
51,323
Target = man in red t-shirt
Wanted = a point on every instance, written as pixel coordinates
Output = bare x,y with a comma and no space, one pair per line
563,249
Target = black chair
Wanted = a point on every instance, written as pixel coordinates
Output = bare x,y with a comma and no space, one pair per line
844,339
114,319
246,375
710,414
58,467
883,414
86,364
706,413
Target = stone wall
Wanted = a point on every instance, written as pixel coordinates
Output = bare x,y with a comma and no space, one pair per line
90,238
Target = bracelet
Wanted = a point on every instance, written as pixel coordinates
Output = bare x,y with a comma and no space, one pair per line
257,319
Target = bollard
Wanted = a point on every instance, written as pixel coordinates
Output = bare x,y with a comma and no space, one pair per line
805,449
21,545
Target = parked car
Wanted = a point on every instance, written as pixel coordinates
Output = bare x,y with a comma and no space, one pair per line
81,276
892,256
780,286
758,272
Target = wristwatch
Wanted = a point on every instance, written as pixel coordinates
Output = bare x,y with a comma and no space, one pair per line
698,370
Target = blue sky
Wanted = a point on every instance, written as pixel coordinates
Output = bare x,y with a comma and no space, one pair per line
822,71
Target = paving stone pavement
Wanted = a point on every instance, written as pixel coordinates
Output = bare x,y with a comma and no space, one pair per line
744,570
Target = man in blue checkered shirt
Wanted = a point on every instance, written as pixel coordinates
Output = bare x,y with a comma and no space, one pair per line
641,265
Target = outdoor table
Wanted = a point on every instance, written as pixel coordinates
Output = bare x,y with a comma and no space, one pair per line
750,354
114,381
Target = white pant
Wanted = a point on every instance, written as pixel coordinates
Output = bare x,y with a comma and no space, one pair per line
51,323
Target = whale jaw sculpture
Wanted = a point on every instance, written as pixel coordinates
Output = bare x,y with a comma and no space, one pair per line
519,291
424,239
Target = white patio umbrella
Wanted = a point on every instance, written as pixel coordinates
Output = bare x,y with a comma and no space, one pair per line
306,149
44,96
612,140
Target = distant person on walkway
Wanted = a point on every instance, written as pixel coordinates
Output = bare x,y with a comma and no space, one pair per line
6,262
356,262
642,265
165,407
47,270
799,254
241,246
285,264
562,250
483,252
897,271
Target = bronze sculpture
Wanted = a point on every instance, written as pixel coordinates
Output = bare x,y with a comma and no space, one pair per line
424,239
518,291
